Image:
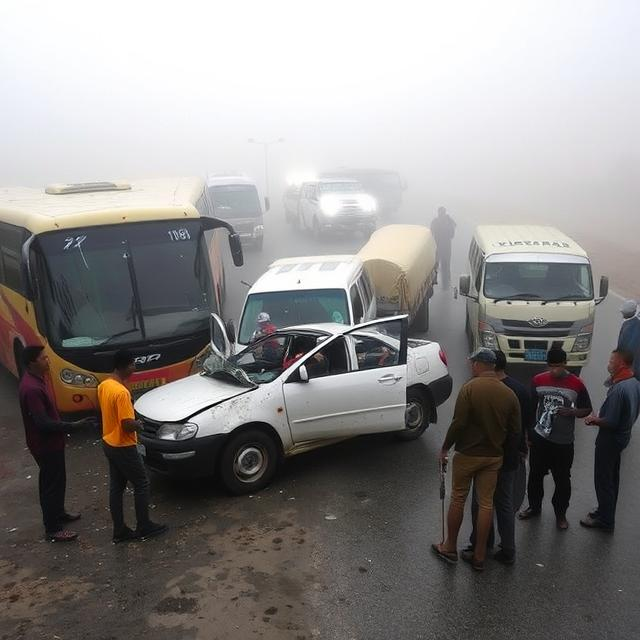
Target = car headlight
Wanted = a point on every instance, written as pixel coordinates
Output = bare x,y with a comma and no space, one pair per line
78,379
180,431
368,203
330,205
488,337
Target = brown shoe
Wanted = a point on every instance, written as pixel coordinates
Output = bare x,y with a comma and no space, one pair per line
562,523
64,535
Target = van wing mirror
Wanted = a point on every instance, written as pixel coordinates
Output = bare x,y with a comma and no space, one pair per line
604,289
231,331
464,285
267,204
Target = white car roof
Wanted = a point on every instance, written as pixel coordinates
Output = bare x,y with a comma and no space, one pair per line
309,273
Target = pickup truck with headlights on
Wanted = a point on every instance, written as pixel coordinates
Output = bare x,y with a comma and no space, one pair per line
332,205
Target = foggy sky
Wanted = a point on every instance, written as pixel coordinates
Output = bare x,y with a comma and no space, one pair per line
529,105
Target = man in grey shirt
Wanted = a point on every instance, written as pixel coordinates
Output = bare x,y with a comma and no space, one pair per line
617,416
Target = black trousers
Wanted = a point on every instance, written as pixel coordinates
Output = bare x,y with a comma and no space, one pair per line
52,484
443,261
607,478
125,465
545,456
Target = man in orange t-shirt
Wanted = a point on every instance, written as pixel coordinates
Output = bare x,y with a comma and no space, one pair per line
119,441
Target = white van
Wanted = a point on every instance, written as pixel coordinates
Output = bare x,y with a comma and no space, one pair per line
236,199
530,288
313,289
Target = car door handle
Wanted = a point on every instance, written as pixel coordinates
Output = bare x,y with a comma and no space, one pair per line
390,377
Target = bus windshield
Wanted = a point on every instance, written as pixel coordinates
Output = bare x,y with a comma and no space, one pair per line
235,201
125,283
538,280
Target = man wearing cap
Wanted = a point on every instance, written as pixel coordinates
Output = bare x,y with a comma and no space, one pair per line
629,338
264,326
560,398
615,420
486,420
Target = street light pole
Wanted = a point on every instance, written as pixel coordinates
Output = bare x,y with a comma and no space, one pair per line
265,146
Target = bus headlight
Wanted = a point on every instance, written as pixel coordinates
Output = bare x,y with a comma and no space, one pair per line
176,432
487,335
78,379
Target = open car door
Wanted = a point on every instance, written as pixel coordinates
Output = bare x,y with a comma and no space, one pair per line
335,393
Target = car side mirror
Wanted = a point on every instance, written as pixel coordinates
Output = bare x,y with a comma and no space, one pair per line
231,331
303,373
604,289
464,285
236,249
267,204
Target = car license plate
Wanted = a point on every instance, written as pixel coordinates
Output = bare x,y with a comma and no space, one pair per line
142,450
535,355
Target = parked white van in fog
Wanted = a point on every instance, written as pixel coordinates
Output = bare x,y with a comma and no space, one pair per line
530,288
310,289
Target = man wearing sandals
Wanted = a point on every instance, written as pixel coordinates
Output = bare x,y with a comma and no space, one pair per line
485,420
45,435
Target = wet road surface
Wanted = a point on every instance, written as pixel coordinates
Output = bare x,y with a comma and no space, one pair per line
338,545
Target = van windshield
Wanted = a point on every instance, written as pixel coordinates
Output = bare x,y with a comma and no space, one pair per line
291,308
235,201
538,281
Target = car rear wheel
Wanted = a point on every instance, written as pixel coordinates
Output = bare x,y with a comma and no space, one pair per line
416,416
248,462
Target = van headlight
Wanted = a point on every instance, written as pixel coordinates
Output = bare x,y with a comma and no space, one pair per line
177,431
368,203
488,337
583,342
77,378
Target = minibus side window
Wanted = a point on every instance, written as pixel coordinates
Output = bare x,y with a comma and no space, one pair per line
11,240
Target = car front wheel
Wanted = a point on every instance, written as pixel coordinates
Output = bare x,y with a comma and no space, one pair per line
416,416
248,462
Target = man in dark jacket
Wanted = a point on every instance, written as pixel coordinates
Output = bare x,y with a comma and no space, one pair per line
45,435
443,229
629,337
617,416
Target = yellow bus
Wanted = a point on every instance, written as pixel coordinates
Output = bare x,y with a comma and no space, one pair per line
87,269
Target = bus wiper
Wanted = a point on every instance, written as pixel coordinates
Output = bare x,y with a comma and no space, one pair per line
519,296
117,335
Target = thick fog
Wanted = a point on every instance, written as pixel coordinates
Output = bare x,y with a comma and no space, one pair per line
530,107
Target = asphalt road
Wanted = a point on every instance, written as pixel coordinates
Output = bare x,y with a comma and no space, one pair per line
337,547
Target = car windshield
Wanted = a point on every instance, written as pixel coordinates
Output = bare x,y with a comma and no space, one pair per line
340,187
261,362
125,283
292,308
538,281
235,201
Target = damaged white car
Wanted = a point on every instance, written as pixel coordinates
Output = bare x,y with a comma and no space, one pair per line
291,391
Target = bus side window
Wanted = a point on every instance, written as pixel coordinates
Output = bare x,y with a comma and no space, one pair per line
11,240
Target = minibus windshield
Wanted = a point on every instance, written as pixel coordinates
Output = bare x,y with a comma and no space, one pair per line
538,281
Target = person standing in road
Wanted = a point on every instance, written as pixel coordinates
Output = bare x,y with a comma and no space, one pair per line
45,435
443,229
511,482
120,444
629,338
560,398
486,420
617,416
